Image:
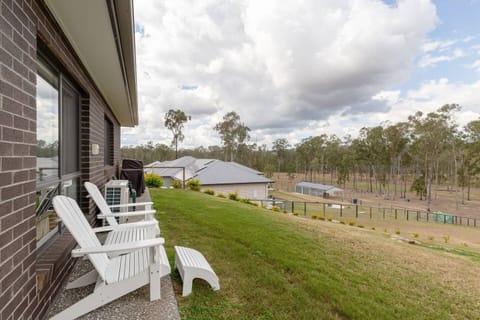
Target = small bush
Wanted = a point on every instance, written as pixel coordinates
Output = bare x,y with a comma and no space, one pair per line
209,191
415,234
321,218
221,195
295,213
342,221
446,239
329,218
233,196
193,184
397,231
284,211
430,238
351,223
361,226
373,228
385,230
276,208
314,216
153,180
177,184
264,206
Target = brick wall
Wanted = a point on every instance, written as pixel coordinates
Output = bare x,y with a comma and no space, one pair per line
22,22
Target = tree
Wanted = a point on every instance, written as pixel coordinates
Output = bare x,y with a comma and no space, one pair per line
280,146
174,120
234,134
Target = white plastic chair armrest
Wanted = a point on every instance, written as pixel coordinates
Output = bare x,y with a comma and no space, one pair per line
139,224
103,229
132,204
126,214
119,248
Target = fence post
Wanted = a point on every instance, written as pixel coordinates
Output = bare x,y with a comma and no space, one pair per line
383,213
427,215
468,221
395,213
407,215
418,217
370,212
461,220
356,210
293,206
324,210
444,219
305,208
475,222
341,210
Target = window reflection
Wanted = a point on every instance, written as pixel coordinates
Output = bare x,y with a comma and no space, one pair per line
47,130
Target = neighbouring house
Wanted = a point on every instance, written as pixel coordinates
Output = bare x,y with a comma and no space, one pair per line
318,190
219,176
68,83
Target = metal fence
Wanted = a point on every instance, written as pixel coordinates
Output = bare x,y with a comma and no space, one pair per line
333,210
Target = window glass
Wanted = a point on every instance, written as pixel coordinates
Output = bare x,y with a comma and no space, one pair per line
70,129
47,130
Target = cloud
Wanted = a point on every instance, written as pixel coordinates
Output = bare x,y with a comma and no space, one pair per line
281,67
429,60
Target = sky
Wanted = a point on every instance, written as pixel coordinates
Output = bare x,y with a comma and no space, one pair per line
294,69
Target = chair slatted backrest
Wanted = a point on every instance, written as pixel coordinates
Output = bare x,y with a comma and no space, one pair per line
68,210
100,202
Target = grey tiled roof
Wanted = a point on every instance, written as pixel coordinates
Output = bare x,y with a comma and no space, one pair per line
317,186
208,171
219,172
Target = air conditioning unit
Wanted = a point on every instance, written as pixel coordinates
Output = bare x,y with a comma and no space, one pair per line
116,192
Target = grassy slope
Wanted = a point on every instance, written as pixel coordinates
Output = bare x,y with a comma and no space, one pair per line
276,266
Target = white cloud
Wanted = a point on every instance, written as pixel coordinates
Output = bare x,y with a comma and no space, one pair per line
281,66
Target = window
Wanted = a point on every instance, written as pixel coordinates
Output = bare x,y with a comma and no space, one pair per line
108,143
58,145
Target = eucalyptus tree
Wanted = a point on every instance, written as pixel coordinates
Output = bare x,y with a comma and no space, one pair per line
174,120
472,152
233,133
280,147
433,134
397,145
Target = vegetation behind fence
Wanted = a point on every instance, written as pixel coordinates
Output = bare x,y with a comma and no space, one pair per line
333,210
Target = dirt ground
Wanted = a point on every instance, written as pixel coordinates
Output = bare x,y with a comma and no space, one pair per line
442,200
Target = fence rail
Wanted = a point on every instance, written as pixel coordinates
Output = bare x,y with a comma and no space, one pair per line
358,211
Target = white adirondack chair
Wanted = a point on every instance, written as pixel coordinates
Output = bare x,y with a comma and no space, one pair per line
139,263
107,213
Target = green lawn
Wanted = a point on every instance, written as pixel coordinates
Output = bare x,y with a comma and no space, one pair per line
277,266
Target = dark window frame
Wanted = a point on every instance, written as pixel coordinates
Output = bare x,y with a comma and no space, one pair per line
109,142
65,179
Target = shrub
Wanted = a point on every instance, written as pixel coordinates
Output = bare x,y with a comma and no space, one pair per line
342,221
385,230
361,226
295,213
284,211
314,216
329,218
209,191
221,195
415,234
193,184
177,184
321,218
233,196
446,239
351,223
153,180
373,228
397,231
430,238
276,208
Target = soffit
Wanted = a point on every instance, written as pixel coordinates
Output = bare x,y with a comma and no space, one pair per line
88,27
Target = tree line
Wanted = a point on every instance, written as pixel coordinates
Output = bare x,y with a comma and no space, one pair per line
427,151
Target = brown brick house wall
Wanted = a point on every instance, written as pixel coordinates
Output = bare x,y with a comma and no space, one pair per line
22,23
